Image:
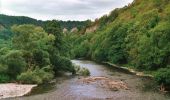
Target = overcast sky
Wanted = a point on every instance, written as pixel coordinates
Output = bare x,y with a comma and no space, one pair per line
60,9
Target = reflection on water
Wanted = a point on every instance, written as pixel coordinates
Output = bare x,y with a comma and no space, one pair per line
67,87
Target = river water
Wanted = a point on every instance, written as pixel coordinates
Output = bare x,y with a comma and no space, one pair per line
68,87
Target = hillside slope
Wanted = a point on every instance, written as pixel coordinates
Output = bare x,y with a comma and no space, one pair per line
9,21
137,35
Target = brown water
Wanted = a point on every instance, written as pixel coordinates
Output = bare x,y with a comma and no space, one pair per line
68,87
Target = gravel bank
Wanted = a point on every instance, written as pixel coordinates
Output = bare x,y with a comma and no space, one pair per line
14,90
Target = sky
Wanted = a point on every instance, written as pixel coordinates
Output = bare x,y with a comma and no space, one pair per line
60,9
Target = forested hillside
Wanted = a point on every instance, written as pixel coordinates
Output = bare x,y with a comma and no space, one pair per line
137,35
9,21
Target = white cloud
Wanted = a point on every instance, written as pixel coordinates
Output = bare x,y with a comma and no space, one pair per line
60,9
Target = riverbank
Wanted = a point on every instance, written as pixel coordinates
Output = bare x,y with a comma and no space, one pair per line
122,68
130,70
8,90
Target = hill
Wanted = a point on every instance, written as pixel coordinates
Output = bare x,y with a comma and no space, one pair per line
9,21
137,35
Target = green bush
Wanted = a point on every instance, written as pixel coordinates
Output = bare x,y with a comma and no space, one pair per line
4,78
100,54
38,76
29,77
62,64
163,76
82,71
3,69
46,74
15,62
41,58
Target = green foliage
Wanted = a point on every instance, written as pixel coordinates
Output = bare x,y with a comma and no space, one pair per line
81,71
34,55
137,34
29,37
41,58
5,34
3,69
29,77
16,64
100,54
72,24
9,21
4,78
53,27
62,64
84,72
81,50
38,76
163,76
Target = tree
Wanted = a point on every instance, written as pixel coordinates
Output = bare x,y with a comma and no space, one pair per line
15,62
53,27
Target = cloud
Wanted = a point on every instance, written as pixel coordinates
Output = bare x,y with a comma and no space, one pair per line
61,9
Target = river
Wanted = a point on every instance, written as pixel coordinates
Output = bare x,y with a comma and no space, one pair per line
68,87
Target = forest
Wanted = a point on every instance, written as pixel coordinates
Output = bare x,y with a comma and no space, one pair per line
136,36
9,21
33,54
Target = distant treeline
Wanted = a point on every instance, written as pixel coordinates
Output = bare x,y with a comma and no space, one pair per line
9,21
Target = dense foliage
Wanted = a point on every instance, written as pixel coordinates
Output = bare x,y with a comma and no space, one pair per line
34,55
9,21
137,34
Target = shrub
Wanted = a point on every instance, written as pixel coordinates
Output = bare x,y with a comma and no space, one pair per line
3,69
82,71
163,76
29,77
15,62
100,54
62,64
41,57
45,73
38,76
4,78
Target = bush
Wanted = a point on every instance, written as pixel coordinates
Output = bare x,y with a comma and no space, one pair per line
41,57
38,76
82,71
15,62
62,64
163,76
4,78
100,54
3,69
46,74
29,77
